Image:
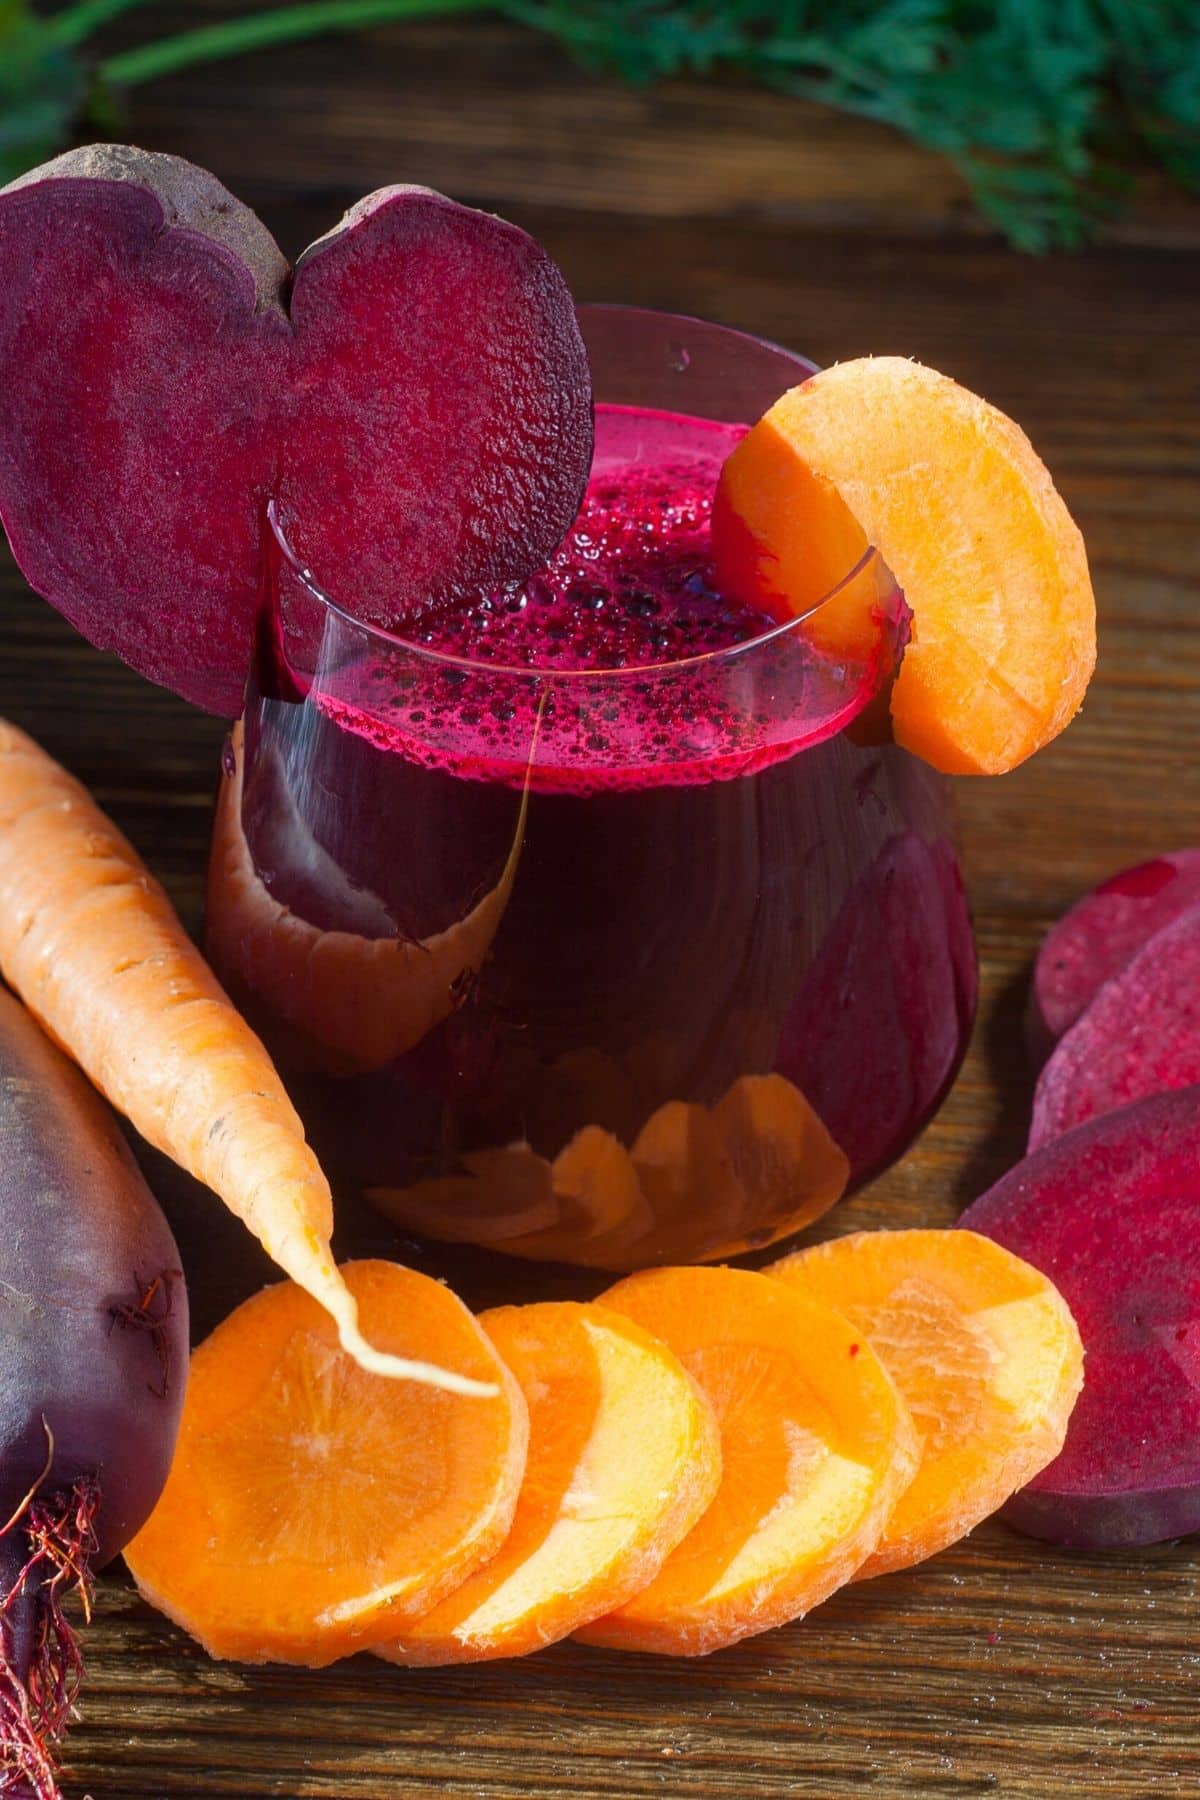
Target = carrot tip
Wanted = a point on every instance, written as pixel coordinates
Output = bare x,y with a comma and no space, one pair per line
326,1285
402,1368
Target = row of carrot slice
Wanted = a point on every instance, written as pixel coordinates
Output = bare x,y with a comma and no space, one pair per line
702,1454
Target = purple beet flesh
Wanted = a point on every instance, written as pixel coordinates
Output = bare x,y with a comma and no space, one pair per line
907,991
415,395
1093,942
1111,1213
1140,1035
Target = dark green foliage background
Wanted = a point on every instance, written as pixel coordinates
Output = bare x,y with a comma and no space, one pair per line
1045,106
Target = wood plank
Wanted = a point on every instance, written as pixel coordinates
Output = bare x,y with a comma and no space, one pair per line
1003,1667
497,114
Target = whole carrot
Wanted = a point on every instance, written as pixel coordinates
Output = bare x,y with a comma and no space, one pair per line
92,944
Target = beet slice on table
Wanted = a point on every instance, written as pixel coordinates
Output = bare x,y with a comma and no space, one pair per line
1139,1036
415,394
1111,1213
1094,940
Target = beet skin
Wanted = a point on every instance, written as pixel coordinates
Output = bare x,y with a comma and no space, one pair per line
93,1366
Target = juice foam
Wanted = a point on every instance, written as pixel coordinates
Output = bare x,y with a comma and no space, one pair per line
632,584
620,664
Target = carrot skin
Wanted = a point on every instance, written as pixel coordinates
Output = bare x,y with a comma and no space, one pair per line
91,942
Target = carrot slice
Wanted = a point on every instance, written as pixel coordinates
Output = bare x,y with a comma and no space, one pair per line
985,1351
757,1165
624,1457
816,1447
596,1172
956,500
92,945
311,1505
687,1175
789,1166
501,1197
355,1003
586,1206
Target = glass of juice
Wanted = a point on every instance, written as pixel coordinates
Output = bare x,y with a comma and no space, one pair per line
596,919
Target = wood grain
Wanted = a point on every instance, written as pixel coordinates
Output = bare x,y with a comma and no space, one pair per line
1003,1668
491,109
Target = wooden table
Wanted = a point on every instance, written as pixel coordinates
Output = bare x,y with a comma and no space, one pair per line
1003,1667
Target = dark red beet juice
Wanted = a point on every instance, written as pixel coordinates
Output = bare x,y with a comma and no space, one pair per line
589,922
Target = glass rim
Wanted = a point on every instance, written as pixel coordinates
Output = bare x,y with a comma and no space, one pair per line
531,671
592,308
396,641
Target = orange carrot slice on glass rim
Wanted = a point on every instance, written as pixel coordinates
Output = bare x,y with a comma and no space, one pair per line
886,452
311,1505
816,1447
624,1457
983,1348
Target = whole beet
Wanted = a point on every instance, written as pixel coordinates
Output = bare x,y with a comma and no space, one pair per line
93,1365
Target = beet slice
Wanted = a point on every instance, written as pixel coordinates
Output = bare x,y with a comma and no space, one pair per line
416,395
1111,1213
1140,1035
875,1035
1093,942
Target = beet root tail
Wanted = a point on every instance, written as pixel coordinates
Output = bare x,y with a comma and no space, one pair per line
45,1557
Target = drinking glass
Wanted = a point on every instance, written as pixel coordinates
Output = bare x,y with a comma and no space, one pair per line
612,967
